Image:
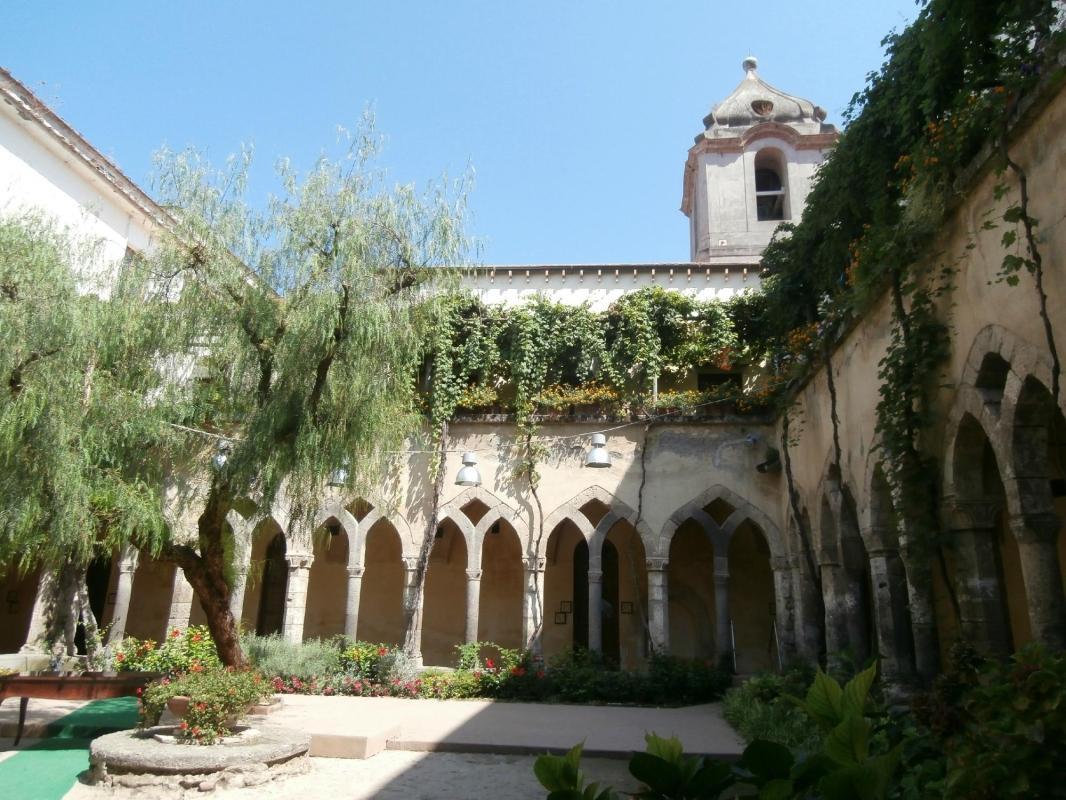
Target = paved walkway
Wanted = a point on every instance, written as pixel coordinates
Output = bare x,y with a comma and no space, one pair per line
390,748
484,726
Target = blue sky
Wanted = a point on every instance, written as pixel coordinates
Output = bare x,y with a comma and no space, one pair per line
575,116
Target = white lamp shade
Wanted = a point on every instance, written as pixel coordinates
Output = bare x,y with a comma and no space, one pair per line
598,457
468,475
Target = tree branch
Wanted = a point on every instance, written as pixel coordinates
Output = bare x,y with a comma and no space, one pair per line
14,381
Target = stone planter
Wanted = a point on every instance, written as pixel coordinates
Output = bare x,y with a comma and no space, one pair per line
178,705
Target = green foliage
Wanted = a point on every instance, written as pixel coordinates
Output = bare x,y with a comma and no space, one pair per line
548,356
217,697
562,777
1000,727
79,448
363,660
180,652
276,656
761,709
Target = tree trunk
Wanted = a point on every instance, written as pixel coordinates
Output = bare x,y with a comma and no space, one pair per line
206,572
412,621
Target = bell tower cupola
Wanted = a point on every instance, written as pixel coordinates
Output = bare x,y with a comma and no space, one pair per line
751,169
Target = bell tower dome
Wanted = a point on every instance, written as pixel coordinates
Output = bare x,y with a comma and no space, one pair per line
751,169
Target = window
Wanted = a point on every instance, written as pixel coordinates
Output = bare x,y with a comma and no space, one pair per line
770,190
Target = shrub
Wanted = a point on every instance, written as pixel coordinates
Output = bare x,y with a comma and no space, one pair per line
180,652
217,697
1000,727
274,656
763,708
362,659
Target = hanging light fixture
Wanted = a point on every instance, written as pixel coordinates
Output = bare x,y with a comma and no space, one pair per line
598,457
468,475
222,453
339,476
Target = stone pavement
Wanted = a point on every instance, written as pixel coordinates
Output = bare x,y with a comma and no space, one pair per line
360,727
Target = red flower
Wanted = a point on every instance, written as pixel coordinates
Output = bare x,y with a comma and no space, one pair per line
184,725
196,637
383,651
174,633
518,671
140,691
540,673
489,664
120,657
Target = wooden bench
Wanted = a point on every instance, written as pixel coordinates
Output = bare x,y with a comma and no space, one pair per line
69,687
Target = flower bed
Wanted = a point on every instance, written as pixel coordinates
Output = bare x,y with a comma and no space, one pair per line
191,650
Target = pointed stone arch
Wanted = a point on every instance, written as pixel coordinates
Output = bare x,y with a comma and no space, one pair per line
720,534
497,510
617,511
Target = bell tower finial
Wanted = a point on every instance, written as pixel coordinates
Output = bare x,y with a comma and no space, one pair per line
750,64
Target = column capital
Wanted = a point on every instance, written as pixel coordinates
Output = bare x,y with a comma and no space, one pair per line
964,516
128,566
595,576
410,563
534,563
355,572
298,561
656,564
473,574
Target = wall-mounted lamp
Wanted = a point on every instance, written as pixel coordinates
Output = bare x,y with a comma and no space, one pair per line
468,475
598,457
339,476
222,453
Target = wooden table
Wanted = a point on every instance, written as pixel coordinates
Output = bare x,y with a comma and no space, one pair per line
70,687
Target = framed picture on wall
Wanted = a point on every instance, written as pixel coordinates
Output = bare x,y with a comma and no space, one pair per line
566,606
560,617
627,607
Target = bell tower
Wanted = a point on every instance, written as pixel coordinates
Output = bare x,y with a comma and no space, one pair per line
751,169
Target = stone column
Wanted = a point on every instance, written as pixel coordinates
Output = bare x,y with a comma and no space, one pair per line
351,602
127,565
242,557
810,623
1036,535
292,627
834,599
723,635
533,604
596,610
893,641
181,598
984,618
413,606
473,599
658,605
784,610
926,641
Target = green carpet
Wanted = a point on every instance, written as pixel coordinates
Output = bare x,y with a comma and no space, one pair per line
48,769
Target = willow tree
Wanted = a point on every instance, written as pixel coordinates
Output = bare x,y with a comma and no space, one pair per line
286,335
308,318
78,355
